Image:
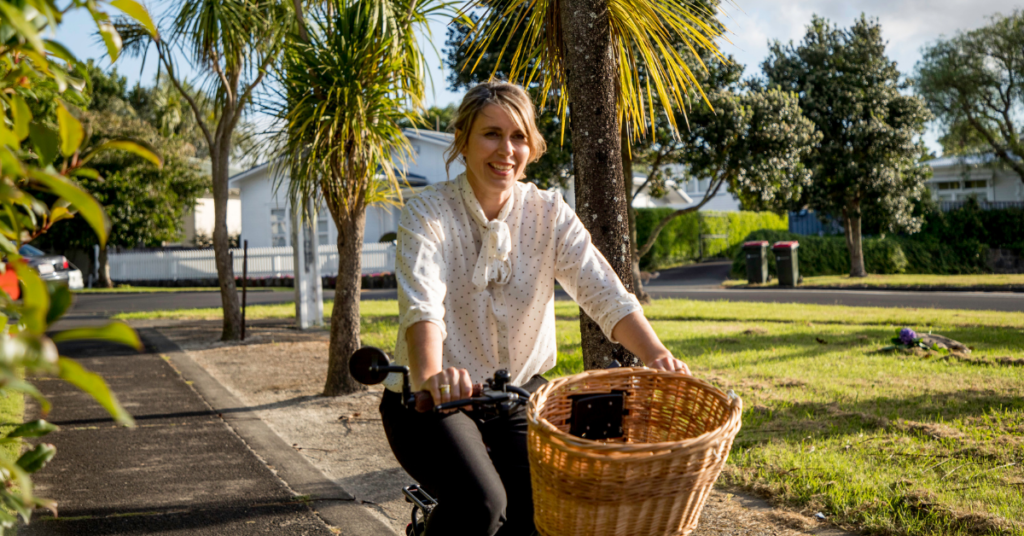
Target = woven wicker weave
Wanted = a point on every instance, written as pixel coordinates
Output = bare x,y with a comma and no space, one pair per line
651,482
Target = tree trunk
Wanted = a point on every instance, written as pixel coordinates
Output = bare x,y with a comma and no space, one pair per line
601,199
345,315
104,270
220,157
627,175
852,219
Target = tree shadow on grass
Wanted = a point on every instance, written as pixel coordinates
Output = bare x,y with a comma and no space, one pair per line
926,415
806,345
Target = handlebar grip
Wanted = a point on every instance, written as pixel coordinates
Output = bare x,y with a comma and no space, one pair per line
425,402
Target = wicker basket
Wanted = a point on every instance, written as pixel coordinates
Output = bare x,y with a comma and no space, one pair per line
654,480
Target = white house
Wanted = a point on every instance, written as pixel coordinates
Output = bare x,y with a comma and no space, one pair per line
197,222
266,217
978,177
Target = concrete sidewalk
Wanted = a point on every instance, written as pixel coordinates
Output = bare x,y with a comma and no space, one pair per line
186,469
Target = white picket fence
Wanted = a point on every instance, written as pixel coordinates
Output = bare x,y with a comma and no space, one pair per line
263,262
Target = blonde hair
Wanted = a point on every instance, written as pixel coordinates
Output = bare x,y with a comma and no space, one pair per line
511,98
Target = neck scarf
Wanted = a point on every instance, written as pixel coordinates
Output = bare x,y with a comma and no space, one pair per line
494,262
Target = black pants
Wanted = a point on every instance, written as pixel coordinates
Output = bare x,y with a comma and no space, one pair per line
476,468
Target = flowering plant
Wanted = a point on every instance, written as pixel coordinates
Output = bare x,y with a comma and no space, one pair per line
907,338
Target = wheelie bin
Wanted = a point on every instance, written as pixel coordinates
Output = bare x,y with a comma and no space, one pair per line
757,261
786,263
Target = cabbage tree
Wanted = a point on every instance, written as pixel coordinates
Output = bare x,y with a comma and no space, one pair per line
350,78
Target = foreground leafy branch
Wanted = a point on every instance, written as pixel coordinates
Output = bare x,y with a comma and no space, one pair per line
41,153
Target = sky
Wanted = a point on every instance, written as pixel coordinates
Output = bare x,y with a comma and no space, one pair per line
907,25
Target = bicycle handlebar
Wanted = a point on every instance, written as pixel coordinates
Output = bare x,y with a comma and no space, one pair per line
481,397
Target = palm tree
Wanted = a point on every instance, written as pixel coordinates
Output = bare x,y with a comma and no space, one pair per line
354,73
605,61
234,43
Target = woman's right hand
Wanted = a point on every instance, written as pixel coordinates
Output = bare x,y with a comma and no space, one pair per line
458,381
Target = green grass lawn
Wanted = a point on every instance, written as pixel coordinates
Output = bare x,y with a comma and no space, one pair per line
888,443
907,281
12,412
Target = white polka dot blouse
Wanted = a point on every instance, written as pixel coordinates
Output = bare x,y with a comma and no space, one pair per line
490,285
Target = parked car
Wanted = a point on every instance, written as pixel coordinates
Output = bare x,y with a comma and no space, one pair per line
54,268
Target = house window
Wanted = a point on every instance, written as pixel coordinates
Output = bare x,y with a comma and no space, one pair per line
976,184
949,185
322,230
278,227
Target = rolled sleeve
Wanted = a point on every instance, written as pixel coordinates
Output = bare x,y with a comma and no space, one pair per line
420,269
587,276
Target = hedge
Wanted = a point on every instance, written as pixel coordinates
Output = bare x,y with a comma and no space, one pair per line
677,242
828,255
998,228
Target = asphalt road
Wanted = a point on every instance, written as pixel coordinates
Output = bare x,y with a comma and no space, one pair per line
696,282
180,472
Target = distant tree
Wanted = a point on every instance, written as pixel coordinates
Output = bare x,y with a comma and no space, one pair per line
866,161
974,84
433,118
752,144
145,203
232,43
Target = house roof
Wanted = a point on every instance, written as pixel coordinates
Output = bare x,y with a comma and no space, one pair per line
247,174
971,160
431,136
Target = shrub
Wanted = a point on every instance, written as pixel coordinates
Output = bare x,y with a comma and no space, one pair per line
828,255
677,242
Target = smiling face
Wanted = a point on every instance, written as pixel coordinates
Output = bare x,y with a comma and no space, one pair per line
496,153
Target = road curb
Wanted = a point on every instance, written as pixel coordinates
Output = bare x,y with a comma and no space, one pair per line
332,503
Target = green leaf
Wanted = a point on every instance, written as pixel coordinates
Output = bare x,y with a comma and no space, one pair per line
22,386
87,207
132,146
36,428
17,20
22,116
117,332
60,300
111,38
71,131
7,137
35,298
60,51
20,477
93,384
85,172
45,141
36,458
134,10
17,504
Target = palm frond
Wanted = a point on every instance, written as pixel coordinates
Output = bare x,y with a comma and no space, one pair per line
655,42
347,88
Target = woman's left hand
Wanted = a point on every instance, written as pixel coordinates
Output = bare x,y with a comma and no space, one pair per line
670,364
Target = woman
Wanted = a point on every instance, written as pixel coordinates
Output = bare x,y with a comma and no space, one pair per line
477,262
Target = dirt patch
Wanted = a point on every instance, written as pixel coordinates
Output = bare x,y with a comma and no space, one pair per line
929,429
279,371
756,331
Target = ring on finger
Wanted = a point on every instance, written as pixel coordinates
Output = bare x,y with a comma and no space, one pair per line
445,388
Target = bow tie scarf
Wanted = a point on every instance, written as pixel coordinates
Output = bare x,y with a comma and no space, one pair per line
494,263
